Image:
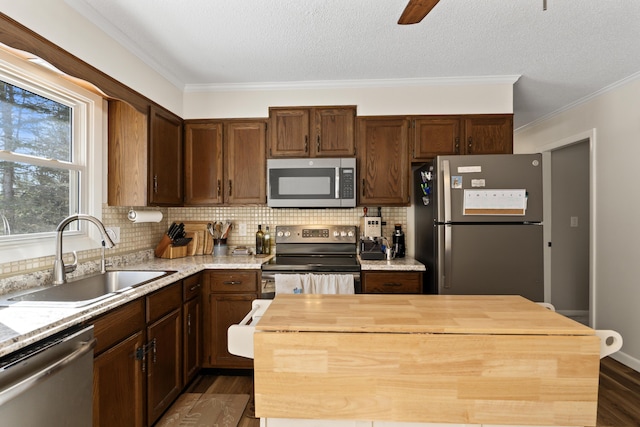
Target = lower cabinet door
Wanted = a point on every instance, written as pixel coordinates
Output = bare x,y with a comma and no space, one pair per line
164,364
226,310
118,381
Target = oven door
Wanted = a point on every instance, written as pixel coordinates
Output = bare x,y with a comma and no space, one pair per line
268,283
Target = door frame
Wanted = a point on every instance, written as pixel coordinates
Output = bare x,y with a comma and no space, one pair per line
590,136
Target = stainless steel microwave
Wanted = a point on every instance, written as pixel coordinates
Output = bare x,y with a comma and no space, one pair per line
311,183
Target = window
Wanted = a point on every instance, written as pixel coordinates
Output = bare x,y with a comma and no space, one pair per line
50,159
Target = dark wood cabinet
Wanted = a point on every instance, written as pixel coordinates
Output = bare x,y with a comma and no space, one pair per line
392,282
245,148
383,161
138,365
191,327
225,162
469,134
312,131
164,349
118,374
435,136
127,155
203,163
165,158
488,134
229,294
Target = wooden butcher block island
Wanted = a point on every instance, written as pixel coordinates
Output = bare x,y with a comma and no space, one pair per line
424,359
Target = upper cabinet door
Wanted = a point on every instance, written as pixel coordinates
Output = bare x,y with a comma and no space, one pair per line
203,163
435,136
165,158
289,132
128,140
383,161
334,132
489,134
245,162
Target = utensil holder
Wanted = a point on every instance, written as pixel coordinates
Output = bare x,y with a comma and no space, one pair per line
219,247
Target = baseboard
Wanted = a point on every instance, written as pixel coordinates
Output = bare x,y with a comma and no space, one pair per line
627,360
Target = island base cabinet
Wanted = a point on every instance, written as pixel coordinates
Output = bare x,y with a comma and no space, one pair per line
427,378
118,383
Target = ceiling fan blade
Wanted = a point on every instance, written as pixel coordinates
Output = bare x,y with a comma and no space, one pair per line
416,10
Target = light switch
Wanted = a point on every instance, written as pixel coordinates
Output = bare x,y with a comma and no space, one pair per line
242,229
574,221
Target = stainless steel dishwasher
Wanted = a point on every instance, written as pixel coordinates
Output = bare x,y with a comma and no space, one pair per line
49,382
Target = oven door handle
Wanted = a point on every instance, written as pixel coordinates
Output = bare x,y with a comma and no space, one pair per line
56,366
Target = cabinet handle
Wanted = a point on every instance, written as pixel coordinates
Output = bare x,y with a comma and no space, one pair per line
318,144
189,324
306,143
219,187
229,188
193,288
155,350
457,145
470,145
392,284
232,282
363,187
155,184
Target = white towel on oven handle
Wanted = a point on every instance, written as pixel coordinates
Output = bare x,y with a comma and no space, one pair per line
330,284
289,283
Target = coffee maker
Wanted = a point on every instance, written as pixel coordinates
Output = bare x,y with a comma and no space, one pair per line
370,238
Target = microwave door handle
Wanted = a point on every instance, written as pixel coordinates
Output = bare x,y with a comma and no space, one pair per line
337,190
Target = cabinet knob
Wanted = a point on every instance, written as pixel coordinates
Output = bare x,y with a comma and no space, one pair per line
155,184
219,188
469,145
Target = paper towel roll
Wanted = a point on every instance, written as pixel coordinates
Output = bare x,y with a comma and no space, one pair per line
145,216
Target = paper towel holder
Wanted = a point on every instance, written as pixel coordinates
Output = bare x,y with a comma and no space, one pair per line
144,216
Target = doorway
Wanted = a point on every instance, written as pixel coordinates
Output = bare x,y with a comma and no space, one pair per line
568,220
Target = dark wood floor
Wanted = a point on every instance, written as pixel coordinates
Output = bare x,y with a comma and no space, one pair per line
618,395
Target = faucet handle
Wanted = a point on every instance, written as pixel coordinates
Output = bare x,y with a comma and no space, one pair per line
72,267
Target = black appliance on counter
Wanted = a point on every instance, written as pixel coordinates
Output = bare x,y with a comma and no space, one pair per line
317,249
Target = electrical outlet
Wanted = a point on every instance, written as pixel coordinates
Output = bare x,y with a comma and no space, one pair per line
242,229
574,221
114,234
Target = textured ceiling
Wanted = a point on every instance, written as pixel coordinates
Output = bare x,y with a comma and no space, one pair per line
564,54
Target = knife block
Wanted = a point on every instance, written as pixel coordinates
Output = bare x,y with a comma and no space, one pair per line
172,252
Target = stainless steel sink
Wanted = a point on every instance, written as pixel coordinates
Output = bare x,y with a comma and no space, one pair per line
85,290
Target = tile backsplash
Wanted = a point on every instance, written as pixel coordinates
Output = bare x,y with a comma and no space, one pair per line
136,237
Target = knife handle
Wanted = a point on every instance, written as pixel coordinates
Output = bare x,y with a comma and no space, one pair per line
162,246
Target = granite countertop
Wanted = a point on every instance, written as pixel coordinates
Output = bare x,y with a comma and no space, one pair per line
397,264
21,326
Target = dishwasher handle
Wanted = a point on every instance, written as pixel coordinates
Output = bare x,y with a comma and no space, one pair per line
32,380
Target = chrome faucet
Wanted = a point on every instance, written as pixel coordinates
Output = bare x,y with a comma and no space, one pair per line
59,269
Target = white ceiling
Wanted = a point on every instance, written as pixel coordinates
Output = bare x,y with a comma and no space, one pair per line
564,54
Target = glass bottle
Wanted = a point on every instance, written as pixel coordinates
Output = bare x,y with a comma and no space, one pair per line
259,240
267,242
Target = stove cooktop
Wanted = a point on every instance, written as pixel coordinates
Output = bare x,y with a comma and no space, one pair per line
319,263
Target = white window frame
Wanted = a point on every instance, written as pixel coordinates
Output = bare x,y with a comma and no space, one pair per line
88,157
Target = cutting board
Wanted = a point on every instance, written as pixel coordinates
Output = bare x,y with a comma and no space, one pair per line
203,240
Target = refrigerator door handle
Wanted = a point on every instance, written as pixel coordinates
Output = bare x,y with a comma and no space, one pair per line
446,190
446,277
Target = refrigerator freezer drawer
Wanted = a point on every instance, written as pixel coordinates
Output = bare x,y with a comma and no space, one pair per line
487,259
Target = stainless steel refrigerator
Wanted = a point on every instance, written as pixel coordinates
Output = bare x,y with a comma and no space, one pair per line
478,224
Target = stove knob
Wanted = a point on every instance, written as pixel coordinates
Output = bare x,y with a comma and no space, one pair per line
287,233
350,234
343,233
279,234
336,233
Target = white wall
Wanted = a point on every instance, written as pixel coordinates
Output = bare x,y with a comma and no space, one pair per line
59,23
615,116
478,96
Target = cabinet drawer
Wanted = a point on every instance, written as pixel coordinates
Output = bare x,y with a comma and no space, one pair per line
392,283
118,324
233,281
191,287
163,301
